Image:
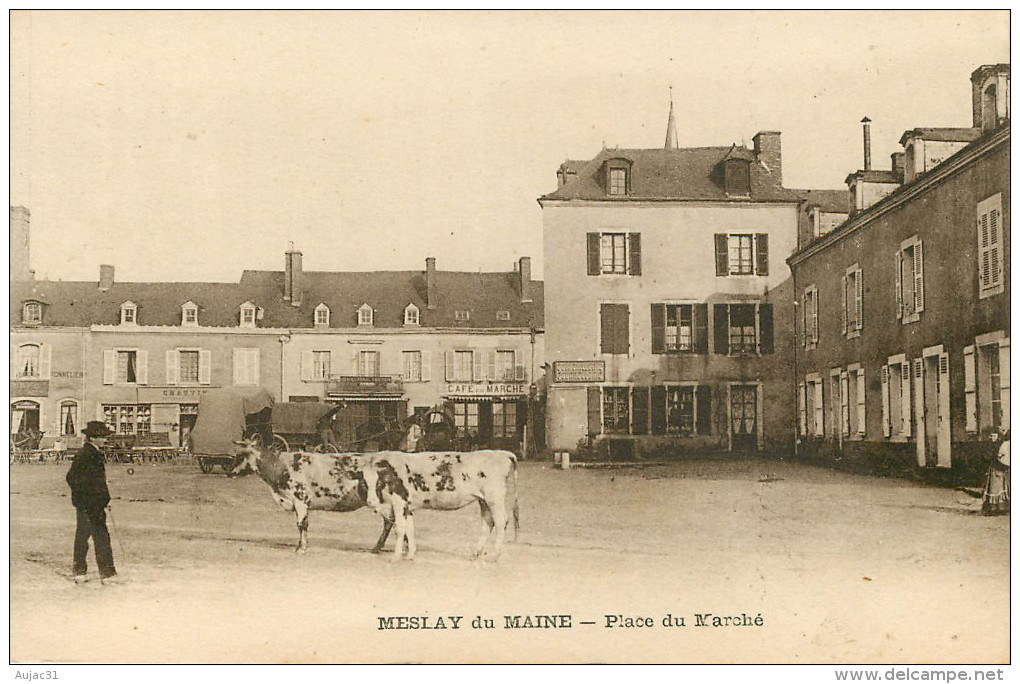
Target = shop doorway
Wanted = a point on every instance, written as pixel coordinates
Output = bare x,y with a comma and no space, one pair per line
25,432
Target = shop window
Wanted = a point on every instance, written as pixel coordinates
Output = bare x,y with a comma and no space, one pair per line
68,418
680,410
616,410
128,419
739,254
465,418
31,313
504,419
614,253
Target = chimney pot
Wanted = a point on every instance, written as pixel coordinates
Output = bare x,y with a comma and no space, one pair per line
293,276
431,294
105,277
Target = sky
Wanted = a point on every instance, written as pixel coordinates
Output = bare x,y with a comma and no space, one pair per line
194,145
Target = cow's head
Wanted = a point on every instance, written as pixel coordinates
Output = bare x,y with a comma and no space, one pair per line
246,455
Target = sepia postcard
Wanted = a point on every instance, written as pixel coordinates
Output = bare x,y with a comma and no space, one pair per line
510,337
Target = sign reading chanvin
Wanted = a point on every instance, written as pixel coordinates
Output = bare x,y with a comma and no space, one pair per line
579,371
485,389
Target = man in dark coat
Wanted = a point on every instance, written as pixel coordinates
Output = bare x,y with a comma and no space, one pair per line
90,496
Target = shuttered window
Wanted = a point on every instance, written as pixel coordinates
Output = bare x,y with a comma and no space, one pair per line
614,328
741,254
853,301
742,329
246,366
679,328
910,280
810,318
614,253
989,226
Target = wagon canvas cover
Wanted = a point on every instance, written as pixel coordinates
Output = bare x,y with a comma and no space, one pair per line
221,419
300,417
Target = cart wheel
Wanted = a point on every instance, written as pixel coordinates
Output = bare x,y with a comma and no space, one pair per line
327,448
205,466
280,444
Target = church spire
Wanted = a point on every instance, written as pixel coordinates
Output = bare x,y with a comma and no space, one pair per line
671,143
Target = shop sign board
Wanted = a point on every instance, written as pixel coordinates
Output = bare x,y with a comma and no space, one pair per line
579,371
486,389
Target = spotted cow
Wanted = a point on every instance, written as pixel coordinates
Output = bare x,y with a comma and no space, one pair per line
303,481
398,483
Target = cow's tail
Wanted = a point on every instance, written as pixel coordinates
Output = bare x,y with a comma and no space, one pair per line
516,507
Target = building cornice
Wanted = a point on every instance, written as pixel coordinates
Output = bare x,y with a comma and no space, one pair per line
654,201
959,161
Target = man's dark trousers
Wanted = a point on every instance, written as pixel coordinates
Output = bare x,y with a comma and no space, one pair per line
92,523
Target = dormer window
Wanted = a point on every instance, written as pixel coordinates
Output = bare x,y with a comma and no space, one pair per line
617,177
247,315
31,313
189,314
502,315
737,177
321,316
411,315
462,315
365,315
128,313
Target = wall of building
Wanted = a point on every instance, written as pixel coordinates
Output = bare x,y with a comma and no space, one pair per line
945,219
62,376
677,265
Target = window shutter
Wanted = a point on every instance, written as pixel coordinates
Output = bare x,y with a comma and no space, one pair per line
518,367
886,419
142,367
658,410
606,338
700,314
814,316
722,257
970,389
917,395
984,256
761,252
634,253
862,421
658,328
307,365
426,365
721,328
765,328
1004,381
804,320
846,312
173,359
45,362
639,416
594,411
449,366
859,297
623,329
703,406
819,411
594,259
477,365
918,277
254,366
110,366
994,248
204,367
802,406
898,272
844,402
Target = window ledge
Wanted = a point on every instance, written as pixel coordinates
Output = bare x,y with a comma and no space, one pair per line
910,318
991,292
853,334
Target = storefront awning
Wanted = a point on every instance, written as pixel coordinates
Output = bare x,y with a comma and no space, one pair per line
478,398
362,397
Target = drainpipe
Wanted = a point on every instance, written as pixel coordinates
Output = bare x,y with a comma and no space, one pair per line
284,339
796,372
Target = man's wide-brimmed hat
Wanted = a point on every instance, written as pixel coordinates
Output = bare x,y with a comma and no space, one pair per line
96,428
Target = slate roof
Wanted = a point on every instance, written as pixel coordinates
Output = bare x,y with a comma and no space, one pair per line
942,134
80,304
690,173
834,201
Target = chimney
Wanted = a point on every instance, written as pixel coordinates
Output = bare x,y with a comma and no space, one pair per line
293,276
867,143
19,244
431,295
524,273
898,164
769,151
105,277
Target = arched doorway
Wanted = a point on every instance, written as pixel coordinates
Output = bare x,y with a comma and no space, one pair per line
25,421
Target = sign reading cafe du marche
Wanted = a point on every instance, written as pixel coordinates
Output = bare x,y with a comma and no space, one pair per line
485,389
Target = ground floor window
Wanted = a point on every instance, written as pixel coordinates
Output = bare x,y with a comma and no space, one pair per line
504,419
680,410
128,419
616,410
656,410
465,418
68,418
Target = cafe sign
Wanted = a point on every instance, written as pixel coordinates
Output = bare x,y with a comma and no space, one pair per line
485,389
579,371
